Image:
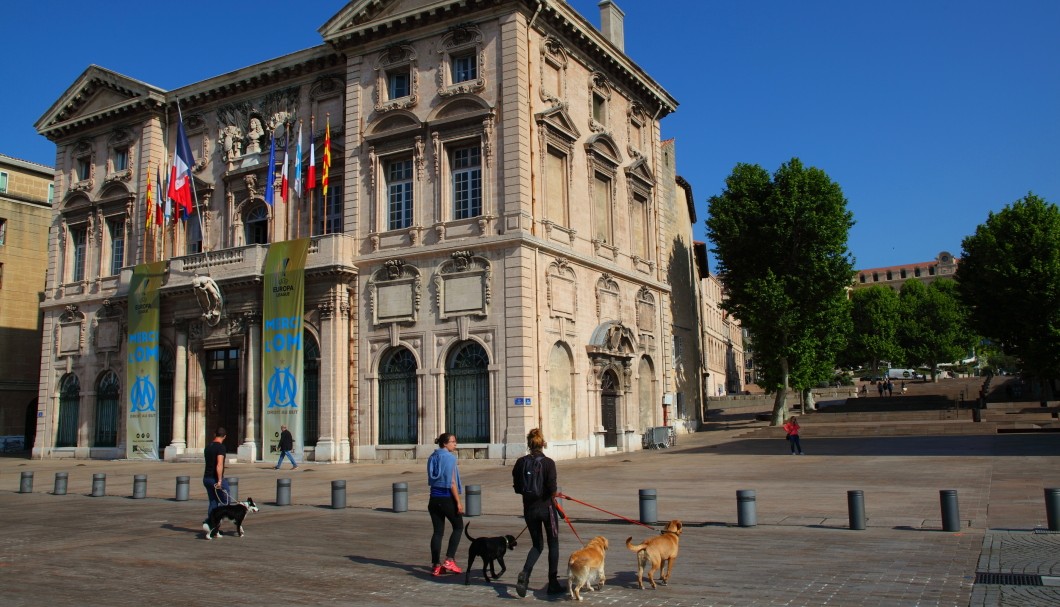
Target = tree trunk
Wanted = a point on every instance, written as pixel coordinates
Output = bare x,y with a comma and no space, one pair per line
780,409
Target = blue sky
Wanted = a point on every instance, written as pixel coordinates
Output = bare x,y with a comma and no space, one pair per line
929,114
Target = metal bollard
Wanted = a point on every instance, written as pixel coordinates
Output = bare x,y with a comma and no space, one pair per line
338,494
856,507
25,482
99,484
401,497
473,500
183,487
233,489
283,492
1052,508
745,508
951,518
139,487
648,504
60,483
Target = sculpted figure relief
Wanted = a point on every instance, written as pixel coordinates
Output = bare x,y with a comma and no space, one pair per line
254,137
231,138
208,295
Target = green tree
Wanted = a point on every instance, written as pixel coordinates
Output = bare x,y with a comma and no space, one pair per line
874,327
934,326
1009,277
781,247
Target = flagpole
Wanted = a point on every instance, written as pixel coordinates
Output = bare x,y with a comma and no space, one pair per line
198,211
312,160
286,189
298,184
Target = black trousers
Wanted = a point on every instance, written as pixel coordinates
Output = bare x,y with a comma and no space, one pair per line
542,521
441,510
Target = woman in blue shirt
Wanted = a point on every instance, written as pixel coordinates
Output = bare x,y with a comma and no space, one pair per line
444,478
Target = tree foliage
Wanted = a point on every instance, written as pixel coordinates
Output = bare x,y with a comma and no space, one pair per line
874,327
781,247
1009,277
933,326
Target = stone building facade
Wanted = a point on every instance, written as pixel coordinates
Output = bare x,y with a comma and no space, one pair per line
25,214
723,339
943,266
501,246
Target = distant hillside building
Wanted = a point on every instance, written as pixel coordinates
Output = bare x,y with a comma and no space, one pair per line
25,215
723,338
502,245
944,265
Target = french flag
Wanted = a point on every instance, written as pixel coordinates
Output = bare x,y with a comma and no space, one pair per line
180,173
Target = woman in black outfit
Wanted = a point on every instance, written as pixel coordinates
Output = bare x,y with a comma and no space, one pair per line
539,512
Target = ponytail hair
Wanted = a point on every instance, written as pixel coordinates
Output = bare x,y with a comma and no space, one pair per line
443,439
535,441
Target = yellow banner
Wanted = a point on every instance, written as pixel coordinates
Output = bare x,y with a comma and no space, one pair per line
141,362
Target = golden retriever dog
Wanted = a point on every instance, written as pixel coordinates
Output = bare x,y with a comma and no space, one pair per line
657,551
586,566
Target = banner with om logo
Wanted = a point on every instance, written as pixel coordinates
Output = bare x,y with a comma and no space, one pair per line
141,362
282,386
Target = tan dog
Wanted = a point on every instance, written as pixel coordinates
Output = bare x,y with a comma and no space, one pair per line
586,566
658,551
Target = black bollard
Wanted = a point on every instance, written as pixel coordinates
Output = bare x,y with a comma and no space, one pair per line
99,484
139,487
951,518
183,487
283,492
233,489
856,507
1052,508
648,506
25,482
60,483
338,494
745,508
473,500
400,497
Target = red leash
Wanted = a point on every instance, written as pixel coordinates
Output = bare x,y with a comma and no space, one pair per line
628,520
564,515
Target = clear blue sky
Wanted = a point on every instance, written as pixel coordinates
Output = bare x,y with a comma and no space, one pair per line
929,114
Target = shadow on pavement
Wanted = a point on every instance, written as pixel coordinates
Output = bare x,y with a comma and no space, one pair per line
1013,445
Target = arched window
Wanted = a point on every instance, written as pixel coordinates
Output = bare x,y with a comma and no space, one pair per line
310,390
257,225
107,411
467,399
167,368
398,399
69,410
560,394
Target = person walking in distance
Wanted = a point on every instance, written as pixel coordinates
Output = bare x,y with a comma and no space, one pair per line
534,476
791,427
213,476
443,476
286,446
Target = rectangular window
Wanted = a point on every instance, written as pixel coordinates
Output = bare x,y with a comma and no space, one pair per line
465,67
3,182
3,232
916,272
602,208
51,192
84,169
398,84
194,236
328,219
121,159
399,193
79,239
903,272
599,108
117,245
640,226
556,187
467,182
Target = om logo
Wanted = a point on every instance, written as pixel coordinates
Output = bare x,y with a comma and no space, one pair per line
282,388
143,395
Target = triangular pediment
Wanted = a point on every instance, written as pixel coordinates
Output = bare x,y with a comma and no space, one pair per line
97,93
364,13
641,171
557,118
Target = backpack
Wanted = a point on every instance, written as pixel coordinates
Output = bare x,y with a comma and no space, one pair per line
532,477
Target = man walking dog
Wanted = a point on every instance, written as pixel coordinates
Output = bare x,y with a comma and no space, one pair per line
213,476
286,446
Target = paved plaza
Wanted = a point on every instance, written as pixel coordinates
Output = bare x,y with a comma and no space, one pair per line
114,550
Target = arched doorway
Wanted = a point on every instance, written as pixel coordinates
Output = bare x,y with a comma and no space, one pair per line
467,399
107,393
398,399
256,225
167,369
609,390
310,390
224,400
69,411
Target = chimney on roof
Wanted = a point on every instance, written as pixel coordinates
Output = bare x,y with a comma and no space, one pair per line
611,23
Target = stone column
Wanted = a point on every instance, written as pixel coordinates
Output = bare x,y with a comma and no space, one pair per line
333,444
180,396
249,449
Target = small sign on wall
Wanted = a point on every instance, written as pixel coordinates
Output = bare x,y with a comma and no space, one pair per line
523,401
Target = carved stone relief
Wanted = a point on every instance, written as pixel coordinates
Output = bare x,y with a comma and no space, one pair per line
462,286
394,293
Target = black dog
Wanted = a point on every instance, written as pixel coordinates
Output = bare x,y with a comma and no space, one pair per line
234,512
489,549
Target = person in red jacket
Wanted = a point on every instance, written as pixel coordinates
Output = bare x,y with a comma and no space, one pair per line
792,428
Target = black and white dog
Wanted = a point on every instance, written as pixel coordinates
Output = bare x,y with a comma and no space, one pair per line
489,549
234,512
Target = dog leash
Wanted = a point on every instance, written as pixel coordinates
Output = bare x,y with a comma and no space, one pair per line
628,520
564,515
218,491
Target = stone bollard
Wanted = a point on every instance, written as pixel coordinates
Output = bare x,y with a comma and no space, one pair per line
25,482
233,489
951,518
856,507
60,483
139,487
183,487
1052,508
99,484
745,508
400,497
648,505
473,500
283,492
338,494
